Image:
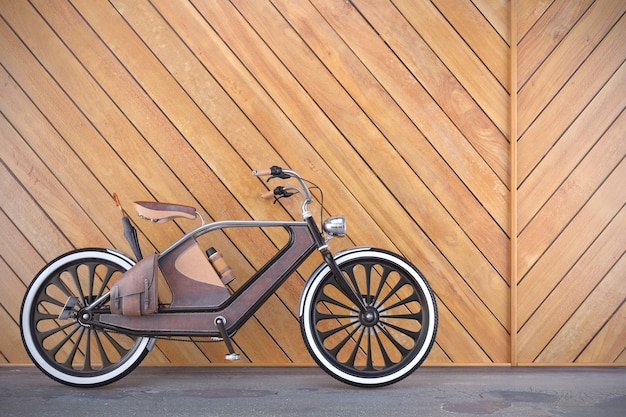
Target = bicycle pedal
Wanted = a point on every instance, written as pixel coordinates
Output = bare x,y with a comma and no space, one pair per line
220,323
68,308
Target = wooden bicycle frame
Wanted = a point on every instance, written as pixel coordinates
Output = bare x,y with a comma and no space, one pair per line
304,238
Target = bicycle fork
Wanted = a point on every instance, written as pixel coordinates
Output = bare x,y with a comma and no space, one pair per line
343,284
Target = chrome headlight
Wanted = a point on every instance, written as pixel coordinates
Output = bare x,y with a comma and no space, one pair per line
335,226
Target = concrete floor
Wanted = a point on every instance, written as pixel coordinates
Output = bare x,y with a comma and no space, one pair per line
238,391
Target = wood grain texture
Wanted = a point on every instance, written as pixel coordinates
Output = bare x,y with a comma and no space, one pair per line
398,110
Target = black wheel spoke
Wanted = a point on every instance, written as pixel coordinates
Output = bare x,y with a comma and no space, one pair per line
369,359
335,351
59,284
46,298
412,334
44,335
409,316
105,280
87,362
387,360
352,359
91,282
404,302
74,274
392,292
39,316
381,284
331,316
55,350
333,301
393,340
326,334
368,285
119,348
353,280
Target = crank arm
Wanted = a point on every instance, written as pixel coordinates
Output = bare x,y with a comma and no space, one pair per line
103,299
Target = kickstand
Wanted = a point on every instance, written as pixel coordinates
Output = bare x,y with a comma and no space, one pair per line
231,356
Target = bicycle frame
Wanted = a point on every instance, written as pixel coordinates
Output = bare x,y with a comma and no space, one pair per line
201,321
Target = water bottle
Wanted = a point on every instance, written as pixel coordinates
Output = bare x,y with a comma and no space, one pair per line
219,264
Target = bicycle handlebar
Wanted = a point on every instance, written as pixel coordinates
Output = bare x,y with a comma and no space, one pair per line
282,173
262,172
267,195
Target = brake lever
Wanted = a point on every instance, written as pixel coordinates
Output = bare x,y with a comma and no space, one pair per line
277,172
281,192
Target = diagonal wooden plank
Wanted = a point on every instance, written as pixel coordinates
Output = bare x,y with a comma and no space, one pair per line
546,130
435,78
69,124
546,34
480,35
607,345
566,58
571,195
424,113
487,91
601,304
571,243
27,216
528,13
12,289
568,295
572,147
498,13
11,342
45,187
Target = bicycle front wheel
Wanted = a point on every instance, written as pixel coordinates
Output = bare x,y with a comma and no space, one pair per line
67,349
378,346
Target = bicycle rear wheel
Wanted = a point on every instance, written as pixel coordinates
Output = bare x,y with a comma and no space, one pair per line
388,341
69,350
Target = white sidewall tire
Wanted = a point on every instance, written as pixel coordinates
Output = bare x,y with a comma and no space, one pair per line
307,308
28,336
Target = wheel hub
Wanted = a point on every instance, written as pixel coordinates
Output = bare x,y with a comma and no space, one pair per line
370,317
83,318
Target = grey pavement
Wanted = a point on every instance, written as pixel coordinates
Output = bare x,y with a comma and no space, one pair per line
252,391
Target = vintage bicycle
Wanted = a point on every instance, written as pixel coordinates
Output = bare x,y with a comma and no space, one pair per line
368,316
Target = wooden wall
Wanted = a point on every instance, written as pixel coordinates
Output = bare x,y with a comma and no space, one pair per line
572,182
399,110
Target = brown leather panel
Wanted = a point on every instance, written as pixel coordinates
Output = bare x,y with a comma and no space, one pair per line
191,291
136,292
193,264
163,212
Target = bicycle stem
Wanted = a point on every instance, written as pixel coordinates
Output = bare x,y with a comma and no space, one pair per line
307,194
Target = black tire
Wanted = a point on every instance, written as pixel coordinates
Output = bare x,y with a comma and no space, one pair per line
67,351
378,348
